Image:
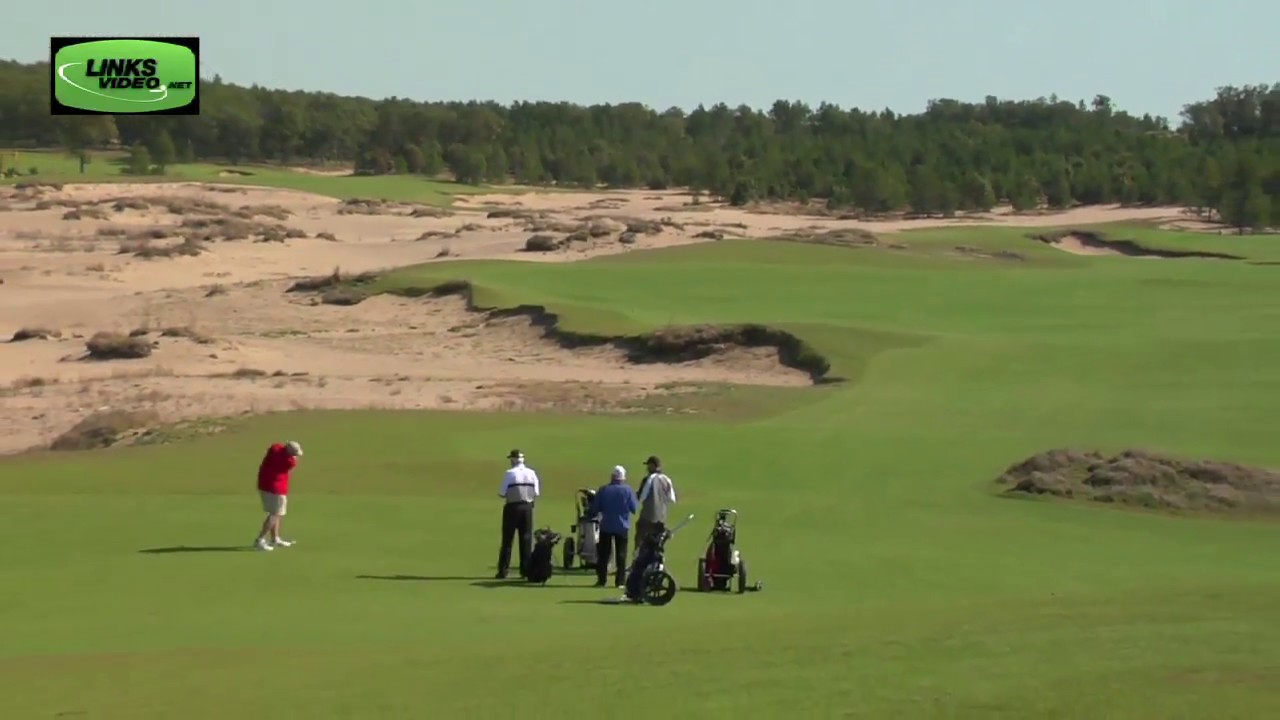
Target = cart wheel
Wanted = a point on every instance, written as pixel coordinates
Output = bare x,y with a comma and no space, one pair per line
568,554
659,587
742,576
704,582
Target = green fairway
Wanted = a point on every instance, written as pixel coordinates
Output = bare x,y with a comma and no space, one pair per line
55,166
897,584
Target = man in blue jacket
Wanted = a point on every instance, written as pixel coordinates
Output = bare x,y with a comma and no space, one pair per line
615,503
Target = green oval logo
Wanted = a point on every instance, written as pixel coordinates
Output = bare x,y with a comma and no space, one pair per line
125,76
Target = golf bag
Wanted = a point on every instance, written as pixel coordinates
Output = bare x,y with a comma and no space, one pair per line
722,563
648,580
541,565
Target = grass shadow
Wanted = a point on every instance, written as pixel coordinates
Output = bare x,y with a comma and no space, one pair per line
601,601
195,549
421,578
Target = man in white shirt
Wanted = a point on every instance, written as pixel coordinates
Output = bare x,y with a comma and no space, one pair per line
657,495
520,487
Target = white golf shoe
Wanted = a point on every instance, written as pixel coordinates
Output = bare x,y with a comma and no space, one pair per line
281,542
263,545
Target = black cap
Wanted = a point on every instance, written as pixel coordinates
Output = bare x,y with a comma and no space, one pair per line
653,460
514,454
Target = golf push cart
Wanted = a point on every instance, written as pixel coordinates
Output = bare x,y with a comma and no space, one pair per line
722,563
584,534
648,581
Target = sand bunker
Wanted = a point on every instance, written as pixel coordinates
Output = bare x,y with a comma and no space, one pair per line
1139,478
190,279
1084,242
255,348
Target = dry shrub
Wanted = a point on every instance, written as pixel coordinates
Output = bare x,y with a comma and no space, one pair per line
710,235
37,187
185,331
275,212
246,373
1145,479
469,227
845,237
111,231
577,236
690,207
192,206
365,206
343,295
144,249
644,227
152,233
556,226
599,228
542,243
628,238
227,228
327,236
51,204
210,229
130,204
108,345
35,333
513,214
215,290
86,213
332,280
426,211
104,429
26,383
434,234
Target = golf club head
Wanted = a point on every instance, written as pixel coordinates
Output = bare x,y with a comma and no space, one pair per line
682,524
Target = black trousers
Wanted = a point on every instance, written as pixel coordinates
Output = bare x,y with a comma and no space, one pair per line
617,543
517,519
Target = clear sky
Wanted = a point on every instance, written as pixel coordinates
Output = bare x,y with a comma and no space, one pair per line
1147,55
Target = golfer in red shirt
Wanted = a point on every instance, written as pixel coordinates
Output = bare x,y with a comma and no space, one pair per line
273,488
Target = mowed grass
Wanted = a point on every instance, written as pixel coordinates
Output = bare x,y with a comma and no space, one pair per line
896,584
56,166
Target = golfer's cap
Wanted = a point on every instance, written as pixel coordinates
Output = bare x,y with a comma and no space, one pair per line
294,448
653,460
619,472
515,455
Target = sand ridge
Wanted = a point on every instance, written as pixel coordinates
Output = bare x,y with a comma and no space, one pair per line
143,258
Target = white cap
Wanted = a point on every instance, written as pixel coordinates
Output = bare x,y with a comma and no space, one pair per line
294,448
619,473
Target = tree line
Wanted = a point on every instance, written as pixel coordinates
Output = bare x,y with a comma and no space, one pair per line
1223,157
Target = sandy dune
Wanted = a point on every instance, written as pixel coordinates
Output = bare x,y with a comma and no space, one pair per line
69,262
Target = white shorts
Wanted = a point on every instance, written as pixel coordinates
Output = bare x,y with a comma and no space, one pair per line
274,504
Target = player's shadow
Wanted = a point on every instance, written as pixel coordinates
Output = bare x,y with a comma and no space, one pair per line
195,549
522,583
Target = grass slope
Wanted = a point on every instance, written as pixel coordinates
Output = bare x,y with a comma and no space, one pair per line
55,166
897,585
